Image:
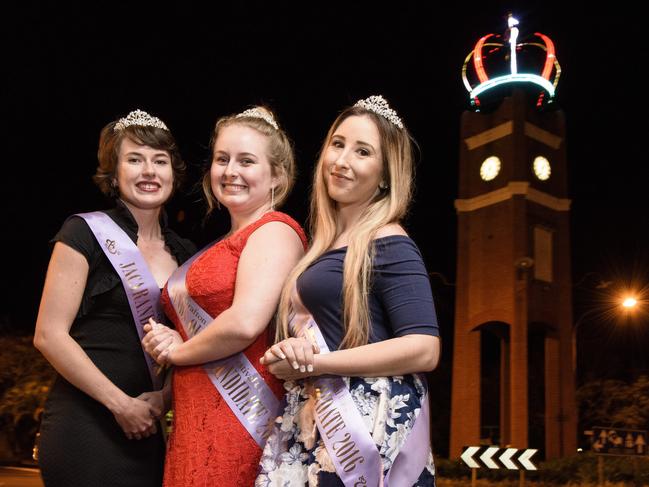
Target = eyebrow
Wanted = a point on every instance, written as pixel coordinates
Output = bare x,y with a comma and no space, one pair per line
157,154
239,154
361,142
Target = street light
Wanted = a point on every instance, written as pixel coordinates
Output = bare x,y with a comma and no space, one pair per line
629,302
626,304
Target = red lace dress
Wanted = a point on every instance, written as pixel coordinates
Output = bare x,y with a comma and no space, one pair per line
208,445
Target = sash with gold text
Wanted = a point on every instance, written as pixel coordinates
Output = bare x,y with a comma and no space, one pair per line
141,287
354,454
238,382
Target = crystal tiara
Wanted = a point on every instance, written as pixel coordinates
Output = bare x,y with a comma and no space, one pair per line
379,105
257,113
139,118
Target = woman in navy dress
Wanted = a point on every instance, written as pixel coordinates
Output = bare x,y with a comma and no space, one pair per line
364,283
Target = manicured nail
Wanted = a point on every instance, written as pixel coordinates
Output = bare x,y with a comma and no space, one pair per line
302,368
281,355
309,368
295,365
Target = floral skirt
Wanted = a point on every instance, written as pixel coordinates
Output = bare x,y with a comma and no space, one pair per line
295,455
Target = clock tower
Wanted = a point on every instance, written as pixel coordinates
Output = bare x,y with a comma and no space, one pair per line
513,382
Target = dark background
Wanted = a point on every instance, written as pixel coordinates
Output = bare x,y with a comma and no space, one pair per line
69,69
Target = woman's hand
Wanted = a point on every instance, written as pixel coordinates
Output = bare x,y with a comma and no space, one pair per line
159,341
137,416
297,352
157,402
283,370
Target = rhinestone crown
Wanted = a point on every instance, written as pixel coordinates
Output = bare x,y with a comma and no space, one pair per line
139,118
379,105
257,113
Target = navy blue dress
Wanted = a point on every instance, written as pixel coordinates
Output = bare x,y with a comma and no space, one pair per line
400,303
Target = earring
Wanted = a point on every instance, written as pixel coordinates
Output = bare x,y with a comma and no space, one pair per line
383,186
272,198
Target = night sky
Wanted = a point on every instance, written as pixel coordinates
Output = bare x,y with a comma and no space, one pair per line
70,70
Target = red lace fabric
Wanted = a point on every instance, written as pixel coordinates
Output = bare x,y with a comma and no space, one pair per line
208,445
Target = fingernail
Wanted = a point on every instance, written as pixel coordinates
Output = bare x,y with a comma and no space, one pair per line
282,356
309,368
295,365
302,368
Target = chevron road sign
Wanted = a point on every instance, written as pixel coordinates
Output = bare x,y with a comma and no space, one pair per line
495,457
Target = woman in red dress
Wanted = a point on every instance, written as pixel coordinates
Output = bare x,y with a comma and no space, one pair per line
237,281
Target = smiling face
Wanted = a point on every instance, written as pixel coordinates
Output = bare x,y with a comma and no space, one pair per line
353,162
144,175
240,175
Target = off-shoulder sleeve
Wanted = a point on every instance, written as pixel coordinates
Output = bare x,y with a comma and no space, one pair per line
401,284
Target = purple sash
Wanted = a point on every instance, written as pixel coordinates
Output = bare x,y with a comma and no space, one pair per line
141,287
238,382
354,454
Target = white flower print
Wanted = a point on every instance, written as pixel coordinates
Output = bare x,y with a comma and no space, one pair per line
267,464
381,385
365,402
388,405
394,441
323,459
262,480
293,475
289,385
430,466
380,414
287,423
294,455
312,474
396,402
292,402
268,450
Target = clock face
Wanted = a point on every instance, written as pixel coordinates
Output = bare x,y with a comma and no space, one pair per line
490,168
542,168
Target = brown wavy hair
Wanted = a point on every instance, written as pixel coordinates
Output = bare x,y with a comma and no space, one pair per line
110,142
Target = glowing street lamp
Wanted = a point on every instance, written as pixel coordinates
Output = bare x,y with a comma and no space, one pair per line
629,302
623,305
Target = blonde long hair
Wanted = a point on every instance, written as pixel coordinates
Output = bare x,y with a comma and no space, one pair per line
388,206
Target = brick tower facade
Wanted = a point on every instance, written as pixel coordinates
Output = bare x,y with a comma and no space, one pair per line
513,281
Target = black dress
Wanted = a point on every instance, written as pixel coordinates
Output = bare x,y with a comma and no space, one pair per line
81,443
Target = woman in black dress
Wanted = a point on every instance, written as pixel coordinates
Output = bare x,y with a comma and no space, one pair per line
99,425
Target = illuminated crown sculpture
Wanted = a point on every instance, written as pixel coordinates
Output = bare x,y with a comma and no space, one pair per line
532,62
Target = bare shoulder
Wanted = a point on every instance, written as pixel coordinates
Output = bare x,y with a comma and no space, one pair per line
391,229
274,233
271,251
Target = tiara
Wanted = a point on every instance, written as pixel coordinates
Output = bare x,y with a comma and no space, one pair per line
257,113
379,105
139,118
